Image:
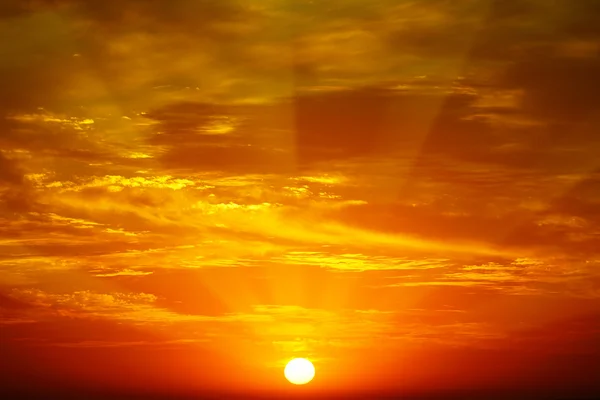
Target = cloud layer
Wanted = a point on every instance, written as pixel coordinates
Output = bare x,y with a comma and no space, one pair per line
325,179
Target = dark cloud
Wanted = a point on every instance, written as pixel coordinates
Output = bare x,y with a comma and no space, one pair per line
15,193
60,138
580,20
325,127
368,122
15,8
179,15
505,31
430,34
34,71
131,15
581,200
64,46
340,125
548,51
9,172
36,68
515,229
11,304
212,137
579,334
188,122
236,158
557,88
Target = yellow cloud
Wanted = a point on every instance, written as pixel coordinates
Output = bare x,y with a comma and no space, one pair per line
136,307
118,183
75,123
359,262
125,272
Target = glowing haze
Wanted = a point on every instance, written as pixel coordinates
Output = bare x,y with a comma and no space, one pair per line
404,192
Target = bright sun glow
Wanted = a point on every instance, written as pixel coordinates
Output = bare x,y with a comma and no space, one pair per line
299,371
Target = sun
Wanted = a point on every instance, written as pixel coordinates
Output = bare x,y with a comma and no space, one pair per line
299,371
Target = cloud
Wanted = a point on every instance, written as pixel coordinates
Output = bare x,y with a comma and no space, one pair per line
94,344
340,125
575,334
438,30
528,277
46,135
10,172
116,183
281,324
546,91
125,272
14,190
359,262
132,307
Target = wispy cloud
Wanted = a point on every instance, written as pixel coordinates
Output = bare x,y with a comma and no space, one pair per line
359,262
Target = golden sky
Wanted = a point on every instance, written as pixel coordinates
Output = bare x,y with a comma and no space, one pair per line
194,192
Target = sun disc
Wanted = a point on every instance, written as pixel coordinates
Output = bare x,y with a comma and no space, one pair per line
299,371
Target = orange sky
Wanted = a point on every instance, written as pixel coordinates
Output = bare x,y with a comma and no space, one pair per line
194,192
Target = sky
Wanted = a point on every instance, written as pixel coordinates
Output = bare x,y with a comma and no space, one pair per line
405,192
